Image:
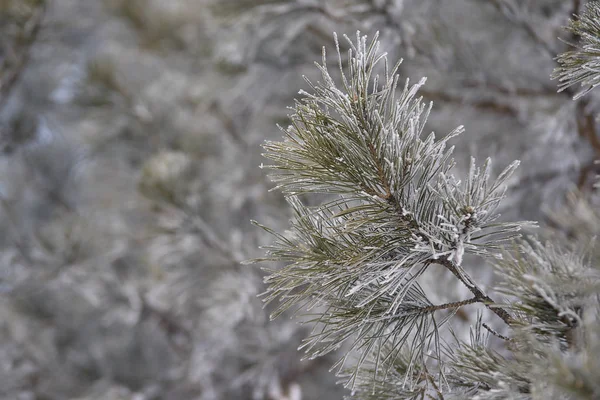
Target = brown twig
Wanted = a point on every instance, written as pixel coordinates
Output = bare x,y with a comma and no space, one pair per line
576,7
453,305
430,379
493,332
477,292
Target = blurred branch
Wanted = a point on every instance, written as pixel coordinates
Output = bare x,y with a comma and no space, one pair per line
389,18
590,168
509,91
518,17
487,105
169,323
210,237
586,125
229,124
31,29
198,226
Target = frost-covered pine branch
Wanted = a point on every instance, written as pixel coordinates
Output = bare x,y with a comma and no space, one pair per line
553,351
581,66
397,211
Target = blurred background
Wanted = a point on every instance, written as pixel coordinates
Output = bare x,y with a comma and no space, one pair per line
130,135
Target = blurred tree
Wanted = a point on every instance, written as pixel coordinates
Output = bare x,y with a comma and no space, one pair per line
129,172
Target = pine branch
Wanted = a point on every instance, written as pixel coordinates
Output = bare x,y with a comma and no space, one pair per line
399,209
479,369
551,285
581,66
